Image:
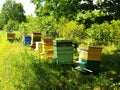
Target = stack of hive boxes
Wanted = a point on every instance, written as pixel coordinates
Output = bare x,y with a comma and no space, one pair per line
10,36
48,47
63,51
89,58
27,40
36,37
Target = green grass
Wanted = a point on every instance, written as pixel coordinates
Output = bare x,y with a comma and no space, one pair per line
22,69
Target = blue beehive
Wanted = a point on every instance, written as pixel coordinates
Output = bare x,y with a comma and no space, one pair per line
27,40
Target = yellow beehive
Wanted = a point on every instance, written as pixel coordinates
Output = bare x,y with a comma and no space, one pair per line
48,41
92,53
83,56
48,47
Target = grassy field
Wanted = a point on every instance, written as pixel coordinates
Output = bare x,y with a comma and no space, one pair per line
22,69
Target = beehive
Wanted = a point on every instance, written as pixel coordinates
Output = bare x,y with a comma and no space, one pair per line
27,40
36,37
91,55
10,36
48,47
63,51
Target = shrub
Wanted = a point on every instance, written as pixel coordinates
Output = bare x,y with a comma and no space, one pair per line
11,26
72,30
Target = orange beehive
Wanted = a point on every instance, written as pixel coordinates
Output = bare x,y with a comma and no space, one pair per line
10,36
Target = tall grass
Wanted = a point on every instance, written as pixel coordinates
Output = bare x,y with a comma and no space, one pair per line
15,61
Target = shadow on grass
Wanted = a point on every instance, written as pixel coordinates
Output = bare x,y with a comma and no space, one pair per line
110,64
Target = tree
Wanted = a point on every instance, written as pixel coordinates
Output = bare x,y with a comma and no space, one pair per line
3,20
59,8
13,11
11,26
33,25
90,17
111,7
72,30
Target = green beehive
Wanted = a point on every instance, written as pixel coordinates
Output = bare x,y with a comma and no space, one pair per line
63,51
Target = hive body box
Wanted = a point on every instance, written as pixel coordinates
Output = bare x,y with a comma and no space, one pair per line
90,53
39,47
63,51
48,47
90,57
36,37
27,40
10,36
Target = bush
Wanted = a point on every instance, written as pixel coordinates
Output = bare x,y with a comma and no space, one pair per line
72,30
11,26
104,34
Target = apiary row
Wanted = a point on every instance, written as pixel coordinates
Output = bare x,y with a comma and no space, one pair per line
62,51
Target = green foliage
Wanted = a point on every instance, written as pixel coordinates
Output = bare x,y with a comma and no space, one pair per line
115,31
111,7
72,30
3,20
23,28
99,33
109,49
13,11
18,36
15,75
48,26
105,33
11,26
90,17
59,26
32,25
66,8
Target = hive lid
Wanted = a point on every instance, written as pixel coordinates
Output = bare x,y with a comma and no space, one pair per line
36,33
